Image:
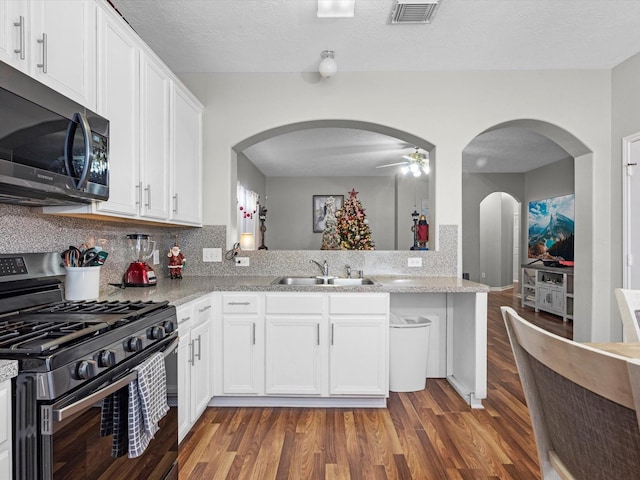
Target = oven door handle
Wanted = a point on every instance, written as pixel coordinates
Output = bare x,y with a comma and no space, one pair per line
60,414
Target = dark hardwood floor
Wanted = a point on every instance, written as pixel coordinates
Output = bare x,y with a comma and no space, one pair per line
428,435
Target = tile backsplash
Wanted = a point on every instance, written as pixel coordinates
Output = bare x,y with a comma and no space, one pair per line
26,229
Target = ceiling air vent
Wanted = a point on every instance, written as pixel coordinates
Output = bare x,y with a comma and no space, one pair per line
413,11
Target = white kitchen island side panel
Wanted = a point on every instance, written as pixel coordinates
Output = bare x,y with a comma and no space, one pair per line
467,345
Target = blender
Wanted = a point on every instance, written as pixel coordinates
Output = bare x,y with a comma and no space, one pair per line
139,273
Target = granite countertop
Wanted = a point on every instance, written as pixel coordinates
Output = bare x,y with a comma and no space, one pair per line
189,288
8,369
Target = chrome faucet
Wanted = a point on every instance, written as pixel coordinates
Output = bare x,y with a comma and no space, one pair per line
324,267
348,268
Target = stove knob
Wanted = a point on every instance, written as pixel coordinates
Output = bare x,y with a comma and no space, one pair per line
107,358
86,369
169,327
156,333
133,344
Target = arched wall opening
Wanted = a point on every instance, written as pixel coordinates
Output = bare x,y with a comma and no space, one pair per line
585,329
402,186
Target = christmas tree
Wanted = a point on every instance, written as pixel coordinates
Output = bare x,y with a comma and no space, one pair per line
353,225
330,235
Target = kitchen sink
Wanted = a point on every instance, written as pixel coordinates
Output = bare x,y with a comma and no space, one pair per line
302,281
298,281
351,281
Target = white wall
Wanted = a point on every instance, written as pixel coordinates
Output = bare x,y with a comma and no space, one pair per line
625,121
447,109
289,205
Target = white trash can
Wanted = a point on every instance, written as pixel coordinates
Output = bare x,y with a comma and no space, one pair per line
408,351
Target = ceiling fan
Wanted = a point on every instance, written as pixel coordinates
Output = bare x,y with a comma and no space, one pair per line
416,163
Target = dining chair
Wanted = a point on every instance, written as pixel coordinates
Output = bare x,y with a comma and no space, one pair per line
628,304
582,401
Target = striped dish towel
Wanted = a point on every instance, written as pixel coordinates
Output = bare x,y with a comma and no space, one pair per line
147,403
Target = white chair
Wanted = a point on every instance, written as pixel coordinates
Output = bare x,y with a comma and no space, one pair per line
582,401
629,303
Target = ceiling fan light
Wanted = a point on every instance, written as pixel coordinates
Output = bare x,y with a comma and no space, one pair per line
425,169
414,168
405,169
417,173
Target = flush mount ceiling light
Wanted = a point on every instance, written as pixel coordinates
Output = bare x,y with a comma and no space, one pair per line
328,66
413,11
336,8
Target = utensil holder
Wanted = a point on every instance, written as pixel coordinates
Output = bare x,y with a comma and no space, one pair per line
82,283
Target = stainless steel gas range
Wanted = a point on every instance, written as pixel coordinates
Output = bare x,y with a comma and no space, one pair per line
75,358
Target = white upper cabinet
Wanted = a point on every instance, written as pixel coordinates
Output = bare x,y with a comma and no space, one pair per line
155,141
186,157
154,138
13,33
54,42
119,101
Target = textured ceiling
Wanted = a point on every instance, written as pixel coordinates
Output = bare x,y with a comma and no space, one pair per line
287,36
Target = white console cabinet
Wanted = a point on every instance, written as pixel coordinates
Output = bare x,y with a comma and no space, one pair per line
549,289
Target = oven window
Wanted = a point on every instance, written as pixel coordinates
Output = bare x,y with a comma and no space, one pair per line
81,453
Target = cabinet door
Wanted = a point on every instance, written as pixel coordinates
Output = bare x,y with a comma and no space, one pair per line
62,47
186,158
13,33
358,355
5,429
185,350
201,369
242,356
293,355
118,100
154,138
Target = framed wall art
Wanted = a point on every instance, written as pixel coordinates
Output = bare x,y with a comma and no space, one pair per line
320,210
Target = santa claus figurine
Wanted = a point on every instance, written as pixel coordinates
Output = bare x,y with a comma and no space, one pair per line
176,261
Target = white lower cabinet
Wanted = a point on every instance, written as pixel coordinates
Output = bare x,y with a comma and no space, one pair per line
295,344
359,344
5,430
195,356
242,344
304,345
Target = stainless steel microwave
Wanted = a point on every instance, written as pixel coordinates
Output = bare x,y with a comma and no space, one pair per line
53,151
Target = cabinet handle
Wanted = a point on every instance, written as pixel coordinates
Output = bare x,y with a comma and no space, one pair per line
20,25
238,303
254,334
185,319
199,354
204,309
192,359
139,189
318,334
43,65
332,325
175,203
148,190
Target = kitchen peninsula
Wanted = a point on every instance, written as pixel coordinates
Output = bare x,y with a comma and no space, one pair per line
246,304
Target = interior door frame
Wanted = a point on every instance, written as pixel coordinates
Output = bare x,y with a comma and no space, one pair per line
629,169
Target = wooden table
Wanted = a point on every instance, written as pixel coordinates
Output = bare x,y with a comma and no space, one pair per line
620,348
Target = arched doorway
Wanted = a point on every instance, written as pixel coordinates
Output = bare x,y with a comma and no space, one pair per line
580,160
499,240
